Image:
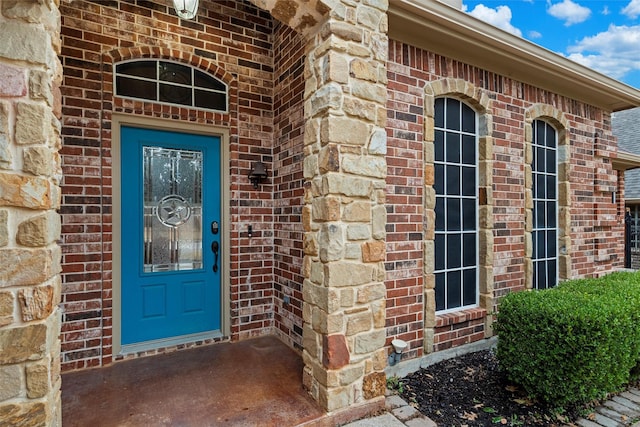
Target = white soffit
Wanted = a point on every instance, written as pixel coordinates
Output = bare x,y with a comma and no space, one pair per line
445,30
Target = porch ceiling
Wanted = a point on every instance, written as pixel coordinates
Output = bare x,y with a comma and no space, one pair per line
448,31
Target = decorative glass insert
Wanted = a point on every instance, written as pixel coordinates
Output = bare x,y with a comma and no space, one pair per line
172,195
169,83
545,206
456,222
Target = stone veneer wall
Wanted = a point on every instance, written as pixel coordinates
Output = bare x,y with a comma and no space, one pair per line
30,75
591,225
344,215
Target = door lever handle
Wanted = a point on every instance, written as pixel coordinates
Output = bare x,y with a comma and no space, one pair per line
215,246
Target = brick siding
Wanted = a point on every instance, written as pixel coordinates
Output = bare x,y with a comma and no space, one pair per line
233,41
596,223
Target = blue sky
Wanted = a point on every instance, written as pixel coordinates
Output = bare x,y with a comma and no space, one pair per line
603,35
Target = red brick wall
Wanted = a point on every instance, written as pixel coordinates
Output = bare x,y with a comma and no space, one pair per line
288,192
596,232
233,41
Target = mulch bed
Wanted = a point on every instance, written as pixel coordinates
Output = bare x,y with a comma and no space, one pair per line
471,390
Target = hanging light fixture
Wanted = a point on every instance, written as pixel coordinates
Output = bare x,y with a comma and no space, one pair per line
186,9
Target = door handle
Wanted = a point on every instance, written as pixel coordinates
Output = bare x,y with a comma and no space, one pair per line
215,247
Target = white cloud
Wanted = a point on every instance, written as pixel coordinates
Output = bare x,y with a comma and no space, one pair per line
499,17
534,35
614,52
632,10
605,11
569,12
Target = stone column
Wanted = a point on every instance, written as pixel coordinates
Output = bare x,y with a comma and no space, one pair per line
344,215
30,76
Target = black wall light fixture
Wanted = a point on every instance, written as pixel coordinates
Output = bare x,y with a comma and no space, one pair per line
257,174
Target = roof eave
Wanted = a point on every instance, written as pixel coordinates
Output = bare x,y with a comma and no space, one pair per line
625,161
447,31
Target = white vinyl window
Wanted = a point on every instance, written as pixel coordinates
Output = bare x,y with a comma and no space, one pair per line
545,206
169,83
456,219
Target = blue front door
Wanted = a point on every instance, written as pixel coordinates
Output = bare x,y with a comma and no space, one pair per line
171,234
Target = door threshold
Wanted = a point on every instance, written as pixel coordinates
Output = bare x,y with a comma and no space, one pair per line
126,349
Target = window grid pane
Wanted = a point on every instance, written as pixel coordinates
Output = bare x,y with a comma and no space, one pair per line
169,83
545,203
456,241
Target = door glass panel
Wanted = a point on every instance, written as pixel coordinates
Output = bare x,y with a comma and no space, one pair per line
172,209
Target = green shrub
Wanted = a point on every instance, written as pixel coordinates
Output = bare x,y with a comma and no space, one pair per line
573,343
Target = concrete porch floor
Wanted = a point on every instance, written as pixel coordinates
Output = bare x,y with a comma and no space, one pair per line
256,382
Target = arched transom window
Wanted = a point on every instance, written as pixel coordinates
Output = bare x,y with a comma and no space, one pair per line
169,83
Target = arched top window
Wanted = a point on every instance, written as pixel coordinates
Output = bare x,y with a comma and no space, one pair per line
456,220
169,83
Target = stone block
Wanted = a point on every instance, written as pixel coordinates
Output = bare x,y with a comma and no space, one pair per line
26,191
13,81
374,251
429,256
378,309
358,232
350,374
368,342
428,340
11,380
25,267
379,222
378,142
335,398
326,209
317,273
363,70
310,244
335,68
347,297
357,212
325,98
369,91
343,30
6,305
36,303
359,322
306,218
344,130
311,133
486,279
38,161
40,230
371,166
32,123
4,227
374,385
24,414
331,241
340,274
351,186
371,292
22,344
329,159
40,86
335,352
430,308
5,152
361,109
37,381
